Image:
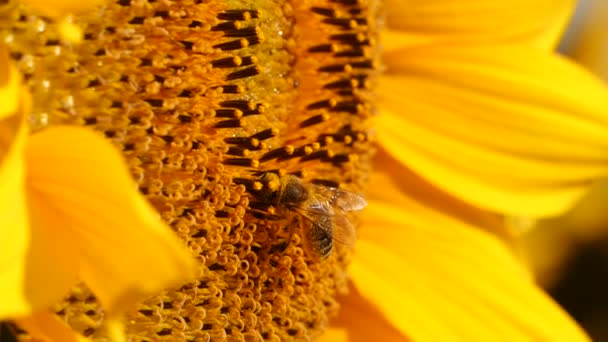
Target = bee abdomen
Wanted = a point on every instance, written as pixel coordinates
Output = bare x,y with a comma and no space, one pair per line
322,241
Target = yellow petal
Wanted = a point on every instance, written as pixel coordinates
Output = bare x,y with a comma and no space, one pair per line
82,187
52,257
14,226
360,321
403,180
437,278
59,8
536,22
334,335
116,330
11,92
518,138
45,326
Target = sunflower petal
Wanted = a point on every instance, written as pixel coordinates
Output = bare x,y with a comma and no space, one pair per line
116,330
538,23
360,321
124,250
518,138
14,226
11,92
437,278
61,8
334,335
45,326
52,257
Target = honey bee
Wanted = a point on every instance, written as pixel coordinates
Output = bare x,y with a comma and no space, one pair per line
324,207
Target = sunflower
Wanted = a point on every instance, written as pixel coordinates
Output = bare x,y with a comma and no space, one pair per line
478,121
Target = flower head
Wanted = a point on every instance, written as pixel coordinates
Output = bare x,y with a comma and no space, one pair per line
205,99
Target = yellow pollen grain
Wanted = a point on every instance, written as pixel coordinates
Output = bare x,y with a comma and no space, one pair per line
308,150
273,185
258,186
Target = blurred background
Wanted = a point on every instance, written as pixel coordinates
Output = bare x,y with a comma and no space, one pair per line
570,254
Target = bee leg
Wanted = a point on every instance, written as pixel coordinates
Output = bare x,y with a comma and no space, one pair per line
263,214
279,247
282,245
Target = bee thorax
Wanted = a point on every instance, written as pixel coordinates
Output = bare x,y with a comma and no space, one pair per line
294,193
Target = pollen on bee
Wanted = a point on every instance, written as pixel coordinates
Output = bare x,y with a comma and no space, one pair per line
257,186
272,185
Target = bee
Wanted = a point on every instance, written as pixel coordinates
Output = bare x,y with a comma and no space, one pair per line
324,207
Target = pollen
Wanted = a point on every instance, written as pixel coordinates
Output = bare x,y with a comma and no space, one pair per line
203,98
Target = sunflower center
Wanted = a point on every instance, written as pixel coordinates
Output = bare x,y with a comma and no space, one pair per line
205,98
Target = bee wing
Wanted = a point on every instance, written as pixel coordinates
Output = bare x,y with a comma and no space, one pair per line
337,225
344,230
343,199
